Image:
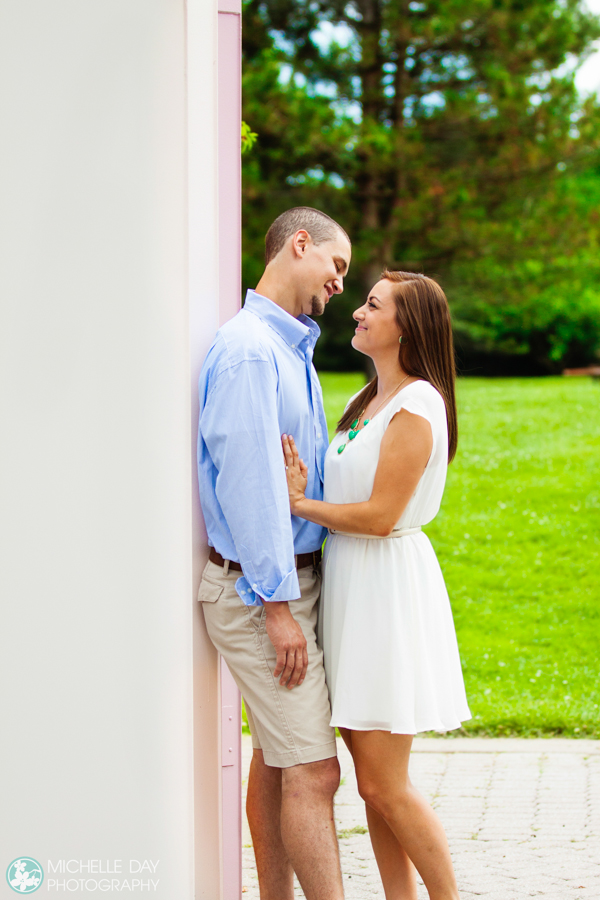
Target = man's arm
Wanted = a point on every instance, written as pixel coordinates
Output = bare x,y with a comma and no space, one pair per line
240,427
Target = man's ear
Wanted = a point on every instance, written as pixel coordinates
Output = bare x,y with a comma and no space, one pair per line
300,242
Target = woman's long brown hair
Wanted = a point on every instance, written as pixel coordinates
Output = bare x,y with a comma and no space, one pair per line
427,348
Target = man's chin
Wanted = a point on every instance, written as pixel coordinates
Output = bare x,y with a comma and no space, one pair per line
317,306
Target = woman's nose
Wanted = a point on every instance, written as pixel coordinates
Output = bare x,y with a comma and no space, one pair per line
358,314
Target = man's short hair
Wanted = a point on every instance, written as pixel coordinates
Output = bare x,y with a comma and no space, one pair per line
321,227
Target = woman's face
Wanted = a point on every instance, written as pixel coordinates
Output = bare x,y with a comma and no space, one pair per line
377,330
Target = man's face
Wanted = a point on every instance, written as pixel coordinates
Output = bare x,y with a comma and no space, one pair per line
322,273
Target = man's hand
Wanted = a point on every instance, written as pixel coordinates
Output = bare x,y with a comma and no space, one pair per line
290,644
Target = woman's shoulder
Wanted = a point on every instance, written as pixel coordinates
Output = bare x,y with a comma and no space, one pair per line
421,391
423,388
421,398
426,392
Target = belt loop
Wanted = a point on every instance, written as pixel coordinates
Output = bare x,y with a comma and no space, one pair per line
225,567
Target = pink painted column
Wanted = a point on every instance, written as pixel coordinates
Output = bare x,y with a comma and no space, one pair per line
230,167
230,256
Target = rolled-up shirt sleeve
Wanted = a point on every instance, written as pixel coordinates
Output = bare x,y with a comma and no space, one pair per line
240,427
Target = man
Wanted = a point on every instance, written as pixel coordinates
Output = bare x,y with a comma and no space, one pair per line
260,588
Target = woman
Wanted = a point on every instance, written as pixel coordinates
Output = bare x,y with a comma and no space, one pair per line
386,626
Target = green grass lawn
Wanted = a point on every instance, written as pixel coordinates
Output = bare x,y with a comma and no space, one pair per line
518,540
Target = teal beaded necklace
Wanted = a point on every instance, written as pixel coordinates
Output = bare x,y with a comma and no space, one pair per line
355,427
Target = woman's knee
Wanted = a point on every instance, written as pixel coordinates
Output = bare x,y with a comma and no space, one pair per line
384,799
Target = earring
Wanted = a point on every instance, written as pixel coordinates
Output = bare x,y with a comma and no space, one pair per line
400,339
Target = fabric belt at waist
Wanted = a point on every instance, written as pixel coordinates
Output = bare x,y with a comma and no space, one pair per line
302,560
396,533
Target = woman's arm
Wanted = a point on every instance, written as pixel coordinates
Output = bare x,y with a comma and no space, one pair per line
405,450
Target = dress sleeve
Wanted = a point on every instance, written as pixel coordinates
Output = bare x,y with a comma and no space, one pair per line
240,427
420,399
411,402
415,406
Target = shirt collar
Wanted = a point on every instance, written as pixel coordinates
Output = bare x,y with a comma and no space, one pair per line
292,330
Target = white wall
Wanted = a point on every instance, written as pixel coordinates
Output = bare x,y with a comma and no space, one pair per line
97,499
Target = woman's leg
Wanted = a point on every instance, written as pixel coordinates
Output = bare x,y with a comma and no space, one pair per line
398,874
381,761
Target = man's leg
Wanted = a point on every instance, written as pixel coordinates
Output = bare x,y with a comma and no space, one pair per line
263,808
292,729
308,827
290,813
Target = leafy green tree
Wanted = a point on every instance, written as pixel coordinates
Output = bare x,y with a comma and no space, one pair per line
530,303
448,137
248,138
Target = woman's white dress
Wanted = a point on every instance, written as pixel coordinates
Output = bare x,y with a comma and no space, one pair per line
385,624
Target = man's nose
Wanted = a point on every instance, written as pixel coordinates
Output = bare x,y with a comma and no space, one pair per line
338,285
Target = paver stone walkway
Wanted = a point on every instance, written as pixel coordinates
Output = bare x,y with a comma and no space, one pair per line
522,818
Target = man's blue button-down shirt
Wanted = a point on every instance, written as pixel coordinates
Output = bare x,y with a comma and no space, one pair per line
257,383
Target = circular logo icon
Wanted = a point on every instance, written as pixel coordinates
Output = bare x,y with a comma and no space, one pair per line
24,875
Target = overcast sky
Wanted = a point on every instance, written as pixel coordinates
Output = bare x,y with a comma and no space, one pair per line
588,77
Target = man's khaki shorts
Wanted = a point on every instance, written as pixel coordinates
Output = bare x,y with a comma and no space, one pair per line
291,727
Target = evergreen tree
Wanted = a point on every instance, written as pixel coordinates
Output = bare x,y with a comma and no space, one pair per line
447,137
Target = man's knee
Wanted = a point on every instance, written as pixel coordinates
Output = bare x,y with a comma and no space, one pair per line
322,777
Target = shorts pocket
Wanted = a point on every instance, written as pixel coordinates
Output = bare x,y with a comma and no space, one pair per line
256,616
209,591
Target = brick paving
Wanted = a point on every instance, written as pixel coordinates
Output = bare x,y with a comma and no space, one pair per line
522,818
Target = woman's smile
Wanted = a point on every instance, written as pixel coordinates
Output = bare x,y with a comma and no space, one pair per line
383,330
